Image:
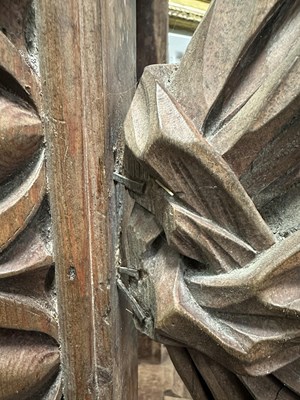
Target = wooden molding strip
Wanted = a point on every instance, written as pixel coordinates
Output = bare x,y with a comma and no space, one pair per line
87,55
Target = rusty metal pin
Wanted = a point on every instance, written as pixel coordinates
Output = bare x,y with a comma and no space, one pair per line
134,186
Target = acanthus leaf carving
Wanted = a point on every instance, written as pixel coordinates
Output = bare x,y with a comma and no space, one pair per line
195,173
212,238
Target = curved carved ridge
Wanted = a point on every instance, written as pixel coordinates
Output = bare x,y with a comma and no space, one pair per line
219,249
178,316
262,116
21,75
23,202
22,312
195,173
213,140
189,373
55,391
29,254
20,136
286,148
29,353
256,120
263,274
216,59
221,383
27,361
24,301
243,338
268,388
277,187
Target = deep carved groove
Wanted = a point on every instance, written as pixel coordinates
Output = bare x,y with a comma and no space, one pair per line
218,143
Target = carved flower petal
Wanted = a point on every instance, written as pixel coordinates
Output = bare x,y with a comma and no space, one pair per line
28,254
20,136
17,209
14,65
27,362
22,312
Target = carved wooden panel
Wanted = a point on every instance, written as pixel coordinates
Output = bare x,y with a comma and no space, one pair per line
88,63
213,241
29,354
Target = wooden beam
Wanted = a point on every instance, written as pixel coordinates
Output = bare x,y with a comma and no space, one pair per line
87,56
152,33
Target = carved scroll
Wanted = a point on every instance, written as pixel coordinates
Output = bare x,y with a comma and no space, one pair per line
213,241
29,354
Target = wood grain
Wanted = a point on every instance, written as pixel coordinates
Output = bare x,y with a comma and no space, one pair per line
29,254
87,54
28,363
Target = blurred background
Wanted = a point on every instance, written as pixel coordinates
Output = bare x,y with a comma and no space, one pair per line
184,17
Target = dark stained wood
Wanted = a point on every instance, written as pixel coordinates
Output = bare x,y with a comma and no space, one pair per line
13,20
152,33
87,54
29,352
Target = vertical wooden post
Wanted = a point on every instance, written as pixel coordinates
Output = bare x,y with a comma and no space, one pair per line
152,33
87,55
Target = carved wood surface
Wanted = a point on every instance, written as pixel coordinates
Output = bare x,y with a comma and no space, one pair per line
29,353
213,242
87,52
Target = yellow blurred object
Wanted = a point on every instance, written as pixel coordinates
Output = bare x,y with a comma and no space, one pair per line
186,14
